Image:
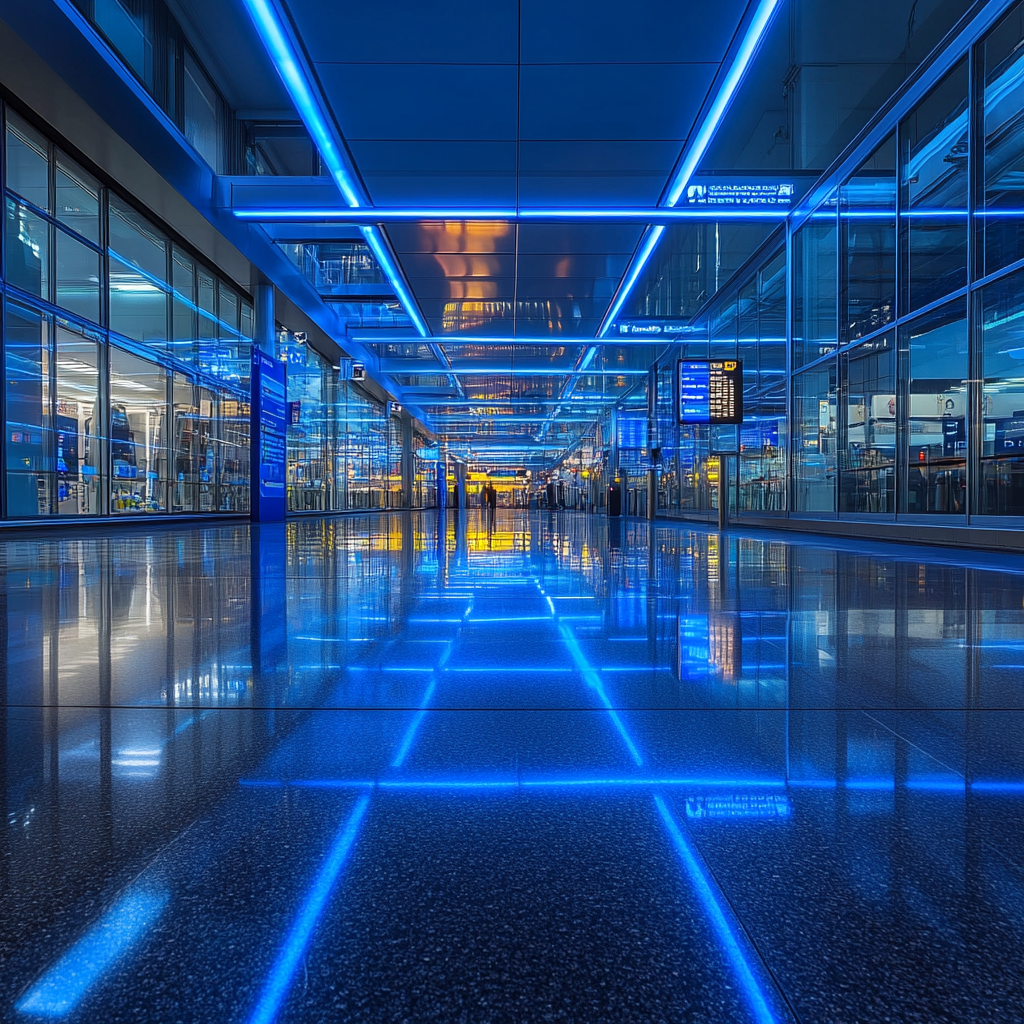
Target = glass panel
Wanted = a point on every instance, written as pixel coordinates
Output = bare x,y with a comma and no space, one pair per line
934,178
935,350
124,25
814,440
183,303
867,214
867,443
136,241
78,199
78,277
185,412
138,307
78,462
1002,458
30,466
27,162
815,291
138,452
207,450
234,463
28,251
202,113
208,332
1001,199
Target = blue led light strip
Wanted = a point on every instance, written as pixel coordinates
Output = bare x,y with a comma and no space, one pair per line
695,153
298,938
389,215
719,915
281,51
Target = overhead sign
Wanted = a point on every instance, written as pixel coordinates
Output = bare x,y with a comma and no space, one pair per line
656,328
269,432
781,193
710,391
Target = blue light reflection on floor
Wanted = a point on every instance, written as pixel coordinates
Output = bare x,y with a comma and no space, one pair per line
62,987
281,974
719,916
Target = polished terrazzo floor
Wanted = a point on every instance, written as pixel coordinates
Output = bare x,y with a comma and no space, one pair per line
394,768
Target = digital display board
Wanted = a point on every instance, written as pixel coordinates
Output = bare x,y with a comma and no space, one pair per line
710,391
269,437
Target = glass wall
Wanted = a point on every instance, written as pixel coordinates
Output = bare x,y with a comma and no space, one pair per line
124,393
895,388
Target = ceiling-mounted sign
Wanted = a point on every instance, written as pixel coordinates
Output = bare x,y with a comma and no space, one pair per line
655,328
780,193
710,391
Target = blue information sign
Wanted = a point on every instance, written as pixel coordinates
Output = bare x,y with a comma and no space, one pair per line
710,391
268,440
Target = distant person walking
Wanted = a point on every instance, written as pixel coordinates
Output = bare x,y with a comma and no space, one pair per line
490,502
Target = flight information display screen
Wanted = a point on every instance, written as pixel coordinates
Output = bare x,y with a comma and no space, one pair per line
710,391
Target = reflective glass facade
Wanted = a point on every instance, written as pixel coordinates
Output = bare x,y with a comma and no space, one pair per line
892,388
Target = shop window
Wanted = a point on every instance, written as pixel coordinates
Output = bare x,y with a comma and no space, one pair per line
138,306
138,445
27,163
934,182
1001,197
815,414
136,242
78,277
27,241
183,272
867,441
933,351
1002,344
815,298
234,464
185,445
77,459
78,199
29,441
867,214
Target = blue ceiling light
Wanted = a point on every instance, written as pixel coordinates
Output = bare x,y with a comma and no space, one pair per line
695,153
281,51
272,32
386,215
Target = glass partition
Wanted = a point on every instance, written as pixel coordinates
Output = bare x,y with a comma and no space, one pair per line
867,213
814,440
934,181
1002,350
138,444
815,294
933,370
1001,185
867,442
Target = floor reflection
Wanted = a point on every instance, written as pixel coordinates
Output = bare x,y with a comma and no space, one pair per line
434,767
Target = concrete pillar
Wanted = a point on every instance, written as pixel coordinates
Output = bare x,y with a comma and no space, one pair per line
408,462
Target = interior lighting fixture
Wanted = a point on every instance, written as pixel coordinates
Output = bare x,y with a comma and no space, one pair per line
272,32
701,141
386,215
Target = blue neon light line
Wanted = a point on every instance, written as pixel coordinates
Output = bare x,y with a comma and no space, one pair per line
703,138
714,905
62,987
653,237
281,974
370,215
376,242
706,133
272,33
410,733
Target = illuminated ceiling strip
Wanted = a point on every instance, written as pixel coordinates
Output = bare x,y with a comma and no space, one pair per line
276,41
384,215
365,337
508,371
695,153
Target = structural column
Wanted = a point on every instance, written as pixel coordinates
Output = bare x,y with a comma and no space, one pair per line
408,464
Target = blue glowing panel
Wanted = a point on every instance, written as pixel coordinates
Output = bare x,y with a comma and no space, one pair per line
710,391
269,424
